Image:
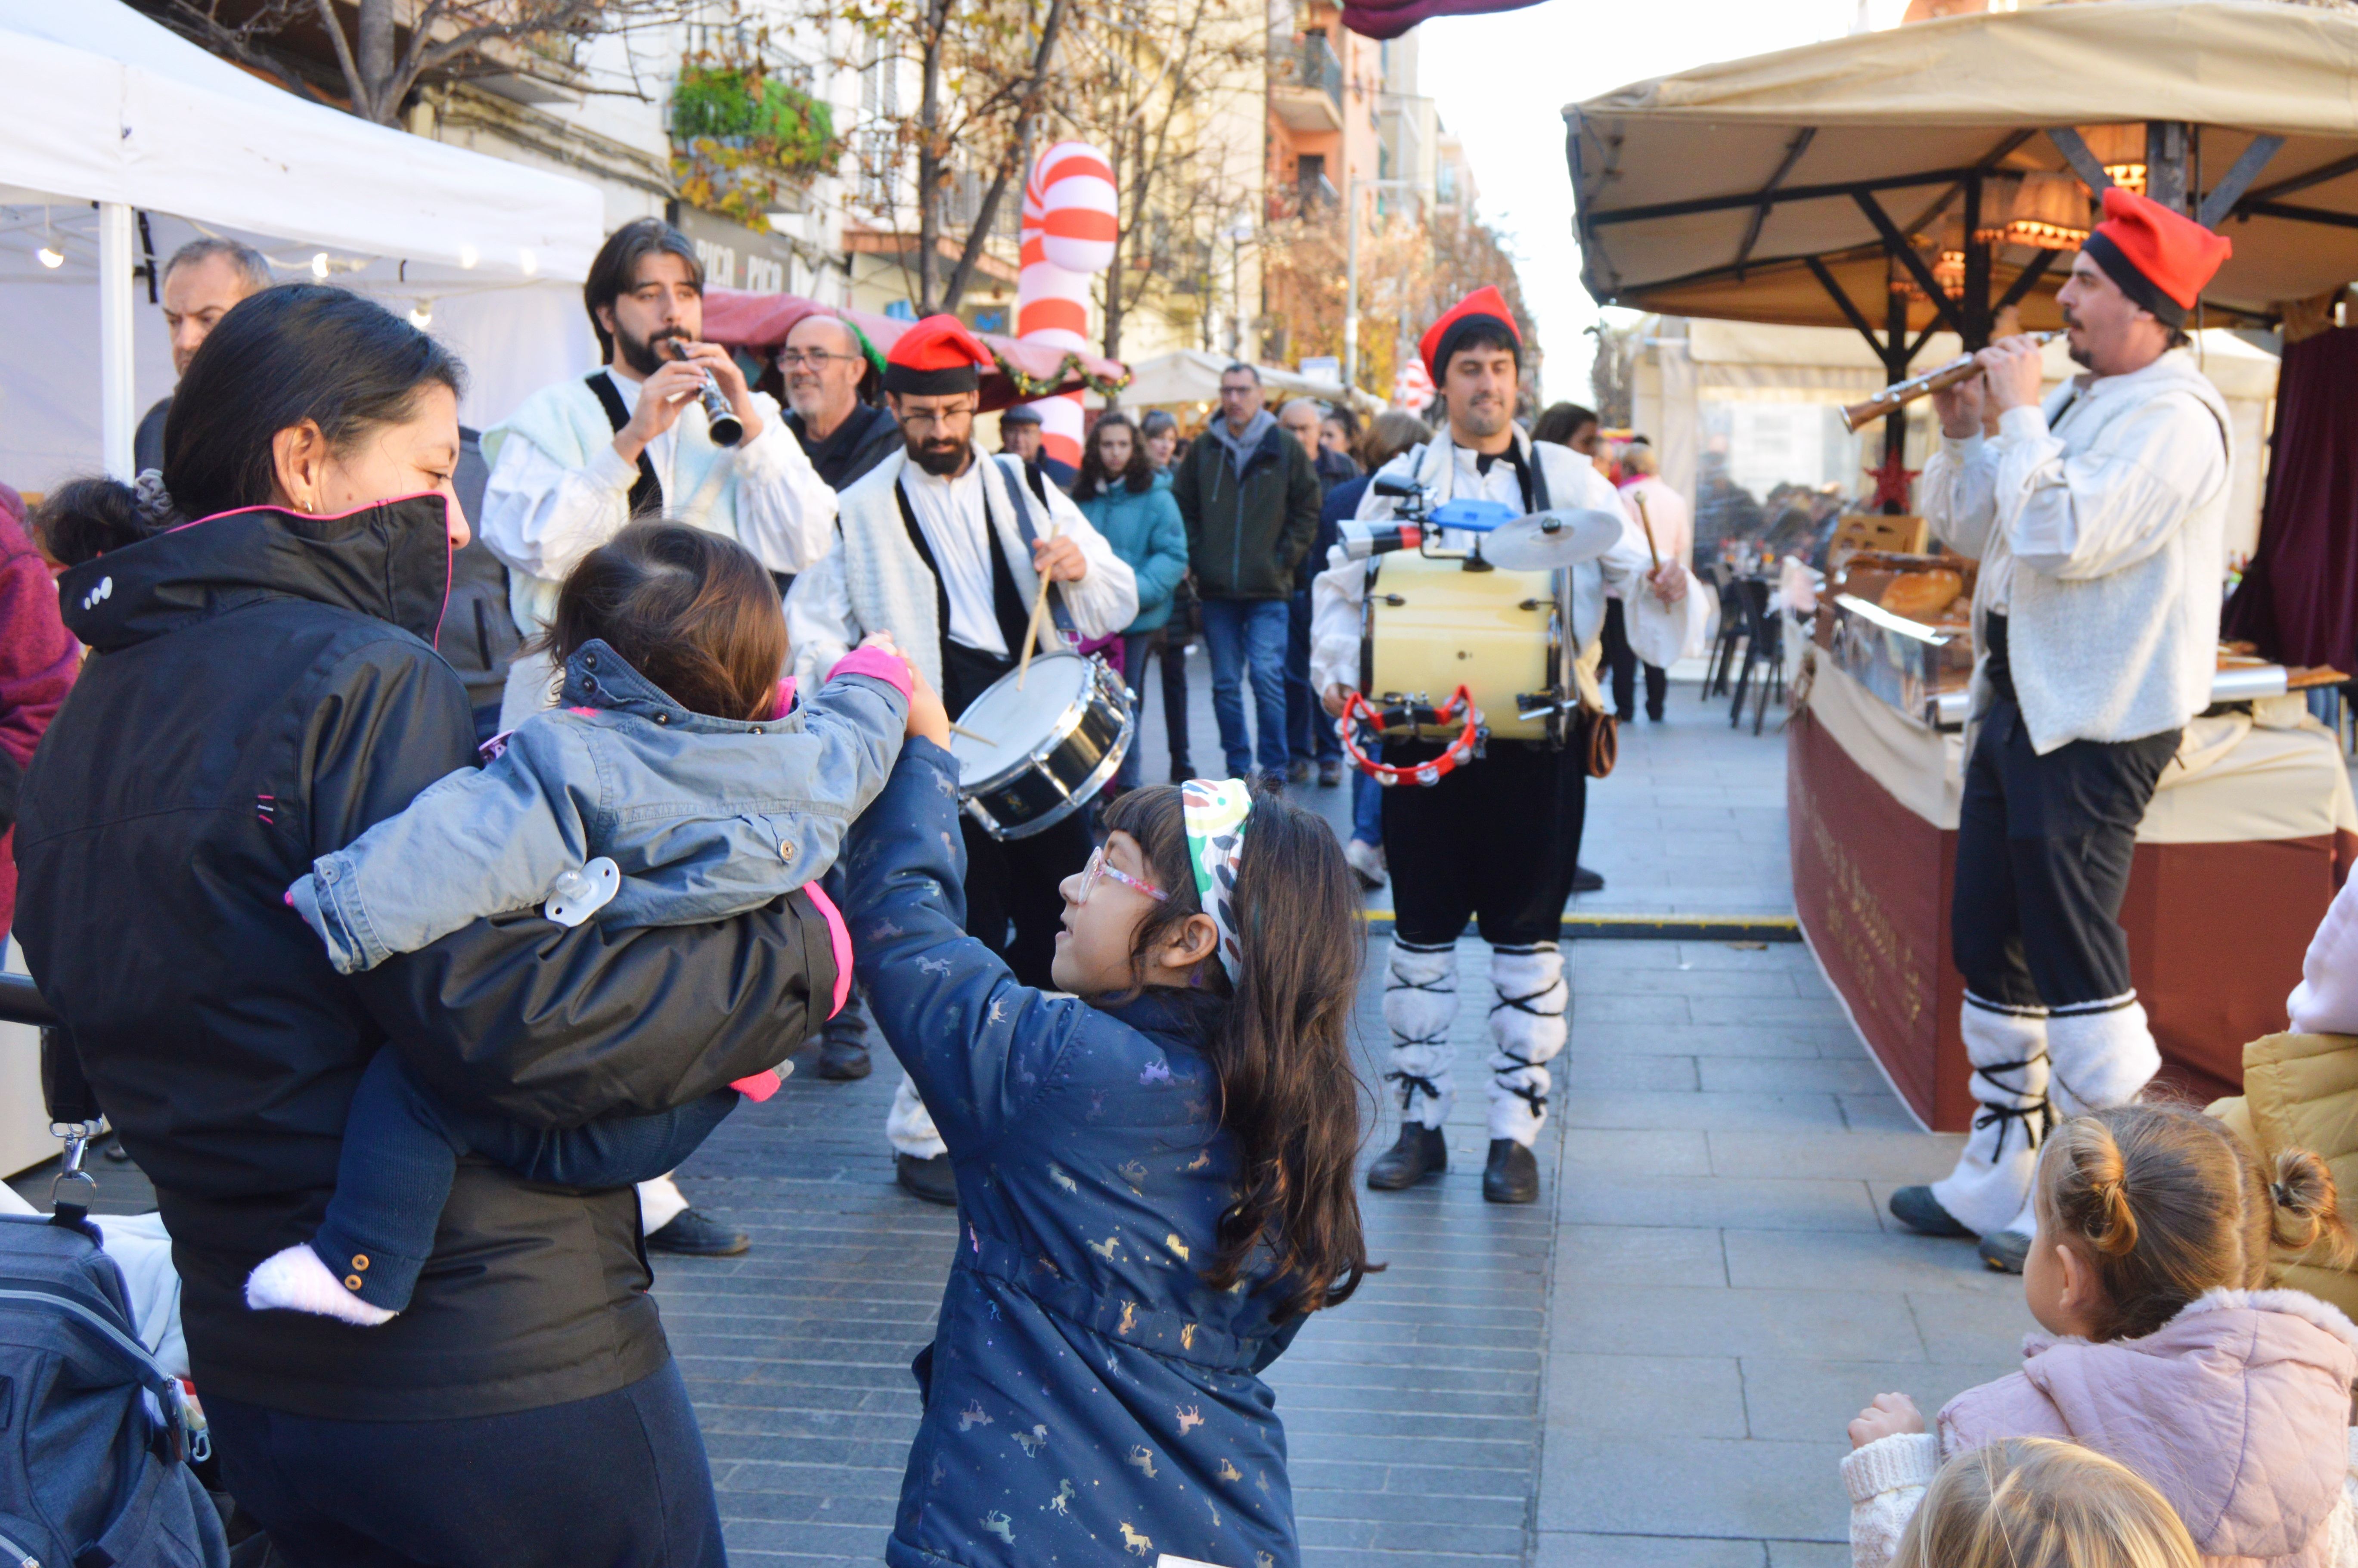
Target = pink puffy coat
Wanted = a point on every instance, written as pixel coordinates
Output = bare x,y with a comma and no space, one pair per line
2237,1409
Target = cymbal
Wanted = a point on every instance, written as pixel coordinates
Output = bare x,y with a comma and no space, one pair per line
1546,541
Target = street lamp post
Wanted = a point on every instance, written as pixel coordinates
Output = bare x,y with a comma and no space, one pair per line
1352,185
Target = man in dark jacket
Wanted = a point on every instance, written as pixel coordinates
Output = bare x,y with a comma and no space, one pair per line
826,366
1249,497
278,675
204,278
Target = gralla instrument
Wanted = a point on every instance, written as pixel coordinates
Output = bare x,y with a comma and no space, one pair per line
727,429
1037,746
1900,393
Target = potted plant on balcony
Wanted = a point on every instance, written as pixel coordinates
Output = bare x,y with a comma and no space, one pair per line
746,141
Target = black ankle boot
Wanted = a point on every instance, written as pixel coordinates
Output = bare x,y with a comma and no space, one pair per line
1512,1174
1421,1152
1920,1211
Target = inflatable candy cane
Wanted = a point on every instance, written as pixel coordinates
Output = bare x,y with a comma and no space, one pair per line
1070,212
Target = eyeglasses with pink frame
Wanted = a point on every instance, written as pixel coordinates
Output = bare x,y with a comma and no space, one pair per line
1099,866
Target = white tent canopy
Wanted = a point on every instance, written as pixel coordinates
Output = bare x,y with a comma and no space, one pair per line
111,111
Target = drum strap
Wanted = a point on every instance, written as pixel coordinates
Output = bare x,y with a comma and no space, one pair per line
1056,611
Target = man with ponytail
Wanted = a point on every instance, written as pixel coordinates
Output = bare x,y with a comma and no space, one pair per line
1154,1171
2098,521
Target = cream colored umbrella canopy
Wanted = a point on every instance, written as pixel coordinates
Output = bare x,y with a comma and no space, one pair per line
1778,188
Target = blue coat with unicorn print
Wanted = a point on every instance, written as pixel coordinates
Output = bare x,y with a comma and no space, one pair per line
1088,1400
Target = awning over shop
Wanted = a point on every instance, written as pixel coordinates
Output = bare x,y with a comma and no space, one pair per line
1795,186
760,322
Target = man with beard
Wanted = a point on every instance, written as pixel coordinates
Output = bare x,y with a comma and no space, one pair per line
826,366
582,457
1496,840
2099,522
944,548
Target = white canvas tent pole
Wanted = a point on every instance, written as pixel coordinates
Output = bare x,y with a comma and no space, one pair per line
116,411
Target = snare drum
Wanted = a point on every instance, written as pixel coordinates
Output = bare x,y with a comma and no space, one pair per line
1032,756
1431,626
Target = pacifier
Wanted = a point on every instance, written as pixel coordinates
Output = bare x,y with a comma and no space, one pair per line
577,896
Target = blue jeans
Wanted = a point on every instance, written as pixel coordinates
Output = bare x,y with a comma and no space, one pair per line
1307,725
1237,632
401,1152
1367,808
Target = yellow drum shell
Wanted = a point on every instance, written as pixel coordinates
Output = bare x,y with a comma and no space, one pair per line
1485,631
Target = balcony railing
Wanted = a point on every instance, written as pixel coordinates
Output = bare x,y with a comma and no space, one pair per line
1315,65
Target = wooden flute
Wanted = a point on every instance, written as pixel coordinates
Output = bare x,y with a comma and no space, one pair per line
1900,393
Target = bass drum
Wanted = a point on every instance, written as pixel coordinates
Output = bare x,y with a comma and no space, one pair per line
1431,626
1030,756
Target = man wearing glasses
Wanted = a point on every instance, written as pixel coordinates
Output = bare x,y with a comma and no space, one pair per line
944,548
826,367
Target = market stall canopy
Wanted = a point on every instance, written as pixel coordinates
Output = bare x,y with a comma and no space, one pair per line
1768,189
106,105
123,141
1192,376
760,322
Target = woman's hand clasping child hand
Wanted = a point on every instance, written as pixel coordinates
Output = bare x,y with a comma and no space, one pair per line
1889,1416
927,717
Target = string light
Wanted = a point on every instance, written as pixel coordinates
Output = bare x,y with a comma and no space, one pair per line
530,262
469,256
320,265
421,315
49,254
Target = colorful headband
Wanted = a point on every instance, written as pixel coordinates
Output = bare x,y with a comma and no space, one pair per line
1214,814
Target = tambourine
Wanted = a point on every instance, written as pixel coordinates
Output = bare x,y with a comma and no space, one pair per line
1458,709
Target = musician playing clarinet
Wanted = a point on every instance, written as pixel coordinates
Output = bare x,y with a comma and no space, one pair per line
946,548
578,460
1496,840
2098,518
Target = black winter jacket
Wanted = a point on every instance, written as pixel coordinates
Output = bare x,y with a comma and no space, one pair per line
261,690
1247,533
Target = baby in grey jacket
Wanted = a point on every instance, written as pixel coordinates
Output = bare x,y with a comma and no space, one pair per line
675,783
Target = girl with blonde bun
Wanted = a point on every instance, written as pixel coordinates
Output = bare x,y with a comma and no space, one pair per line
2163,1349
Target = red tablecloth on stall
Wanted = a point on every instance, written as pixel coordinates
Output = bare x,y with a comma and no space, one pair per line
2248,837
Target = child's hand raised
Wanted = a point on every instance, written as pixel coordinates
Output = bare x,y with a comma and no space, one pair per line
1889,1416
927,717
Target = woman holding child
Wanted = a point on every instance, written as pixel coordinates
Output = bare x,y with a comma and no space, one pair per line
263,689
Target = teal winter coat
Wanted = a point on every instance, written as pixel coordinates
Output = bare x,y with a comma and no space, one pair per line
1147,534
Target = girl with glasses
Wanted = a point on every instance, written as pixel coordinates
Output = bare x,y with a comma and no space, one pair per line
1153,1171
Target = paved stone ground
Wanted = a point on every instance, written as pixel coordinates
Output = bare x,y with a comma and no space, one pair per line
1651,1366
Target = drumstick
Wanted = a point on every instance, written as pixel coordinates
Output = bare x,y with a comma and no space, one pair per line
1039,608
1647,524
958,728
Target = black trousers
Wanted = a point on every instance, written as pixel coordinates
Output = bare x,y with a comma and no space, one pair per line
1012,906
1495,842
2043,851
1166,645
1621,660
618,1479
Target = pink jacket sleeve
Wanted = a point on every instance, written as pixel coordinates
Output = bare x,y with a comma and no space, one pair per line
38,662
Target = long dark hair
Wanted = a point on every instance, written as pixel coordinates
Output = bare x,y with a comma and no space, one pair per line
1281,1046
692,611
1093,480
614,271
301,350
